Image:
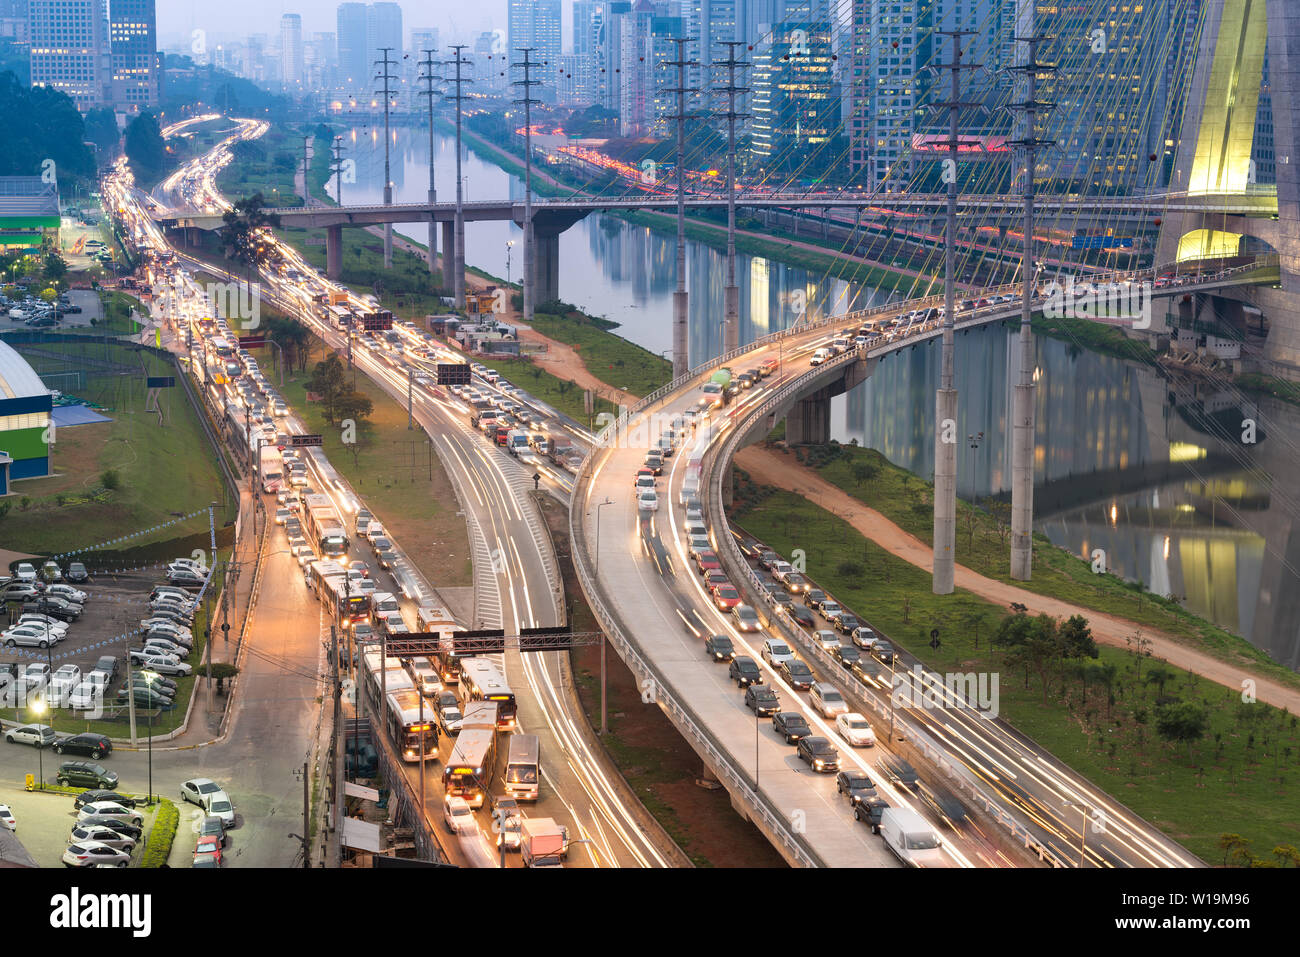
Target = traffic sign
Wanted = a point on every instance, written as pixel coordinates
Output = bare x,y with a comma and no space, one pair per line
490,641
160,382
457,373
380,321
305,441
252,342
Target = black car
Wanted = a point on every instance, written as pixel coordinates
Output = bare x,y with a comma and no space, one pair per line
867,670
791,725
847,655
85,774
856,784
869,812
211,826
762,700
77,573
53,606
814,597
803,617
95,796
767,558
818,753
108,665
744,671
719,648
883,651
847,624
901,773
90,744
797,673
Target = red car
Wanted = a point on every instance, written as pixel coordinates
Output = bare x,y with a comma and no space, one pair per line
714,578
210,844
726,597
708,562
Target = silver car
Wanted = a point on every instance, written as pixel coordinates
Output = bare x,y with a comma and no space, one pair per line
104,835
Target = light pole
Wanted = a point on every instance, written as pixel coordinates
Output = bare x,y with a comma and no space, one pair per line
38,709
509,245
1083,831
604,726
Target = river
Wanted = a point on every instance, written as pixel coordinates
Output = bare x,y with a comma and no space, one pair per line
1148,478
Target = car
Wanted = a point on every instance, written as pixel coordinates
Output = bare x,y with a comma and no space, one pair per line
706,562
197,790
744,671
449,713
648,501
185,578
281,514
98,794
864,637
380,543
829,609
820,356
700,544
818,753
7,818
813,598
161,646
869,811
856,785
209,846
654,462
95,854
791,725
163,664
746,618
901,774
883,652
797,674
172,636
781,569
386,557
855,729
767,558
776,651
67,593
714,578
175,594
802,616
847,624
795,584
37,735
827,639
25,572
846,655
97,809
725,597
91,744
57,629
77,573
719,648
104,835
59,608
457,815
85,774
51,572
211,826
219,805
762,700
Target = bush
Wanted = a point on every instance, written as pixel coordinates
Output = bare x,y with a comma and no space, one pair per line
110,480
161,835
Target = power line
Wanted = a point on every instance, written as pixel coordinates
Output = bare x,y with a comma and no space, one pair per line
458,270
527,101
681,328
386,62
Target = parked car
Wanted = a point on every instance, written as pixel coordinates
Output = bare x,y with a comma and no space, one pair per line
94,854
196,790
67,592
110,809
95,795
37,735
163,664
77,573
211,826
91,744
207,852
85,774
104,835
7,818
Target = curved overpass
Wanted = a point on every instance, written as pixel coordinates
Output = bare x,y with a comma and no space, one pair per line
642,586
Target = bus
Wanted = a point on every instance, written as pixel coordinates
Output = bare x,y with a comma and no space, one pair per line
324,526
469,770
431,619
340,316
410,723
272,468
329,580
481,680
382,680
523,767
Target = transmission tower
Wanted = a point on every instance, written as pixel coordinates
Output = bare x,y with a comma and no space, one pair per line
1023,409
459,259
681,316
387,77
945,432
428,78
731,293
527,101
336,168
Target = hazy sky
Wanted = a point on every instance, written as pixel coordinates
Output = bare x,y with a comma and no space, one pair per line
238,18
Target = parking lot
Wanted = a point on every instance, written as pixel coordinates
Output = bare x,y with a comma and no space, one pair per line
45,821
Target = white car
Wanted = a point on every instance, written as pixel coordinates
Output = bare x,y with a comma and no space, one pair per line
827,639
163,664
37,735
161,646
776,651
109,809
458,815
220,805
88,694
648,501
58,629
854,728
95,854
102,834
820,356
7,817
25,572
28,636
61,590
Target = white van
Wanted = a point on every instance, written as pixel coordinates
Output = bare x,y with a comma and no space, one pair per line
820,356
827,700
913,841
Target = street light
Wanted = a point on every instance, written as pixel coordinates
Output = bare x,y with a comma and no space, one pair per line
509,245
1083,831
38,709
604,726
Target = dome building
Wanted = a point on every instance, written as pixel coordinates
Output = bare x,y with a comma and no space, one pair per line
26,409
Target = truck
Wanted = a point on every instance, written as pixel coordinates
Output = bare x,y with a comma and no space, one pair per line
560,448
271,468
516,441
542,843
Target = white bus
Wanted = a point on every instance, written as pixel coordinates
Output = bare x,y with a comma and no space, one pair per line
523,768
469,770
272,468
409,722
481,680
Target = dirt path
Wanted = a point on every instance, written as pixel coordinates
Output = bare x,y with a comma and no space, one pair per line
780,469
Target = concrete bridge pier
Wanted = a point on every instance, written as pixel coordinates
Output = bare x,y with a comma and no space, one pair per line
334,252
546,268
448,254
809,422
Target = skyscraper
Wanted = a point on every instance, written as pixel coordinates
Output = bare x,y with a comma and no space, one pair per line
291,53
536,24
645,47
423,38
589,24
70,50
383,29
353,61
490,63
133,44
796,99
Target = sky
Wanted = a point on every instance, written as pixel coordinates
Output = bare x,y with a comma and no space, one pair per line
237,18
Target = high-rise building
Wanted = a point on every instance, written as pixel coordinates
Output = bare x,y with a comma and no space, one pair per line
318,60
611,43
590,19
383,29
255,65
133,45
536,24
291,52
13,21
711,23
423,38
70,50
490,64
796,98
645,48
353,60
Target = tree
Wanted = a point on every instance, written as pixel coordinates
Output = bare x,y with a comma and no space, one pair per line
1034,645
241,235
55,267
328,381
1183,722
1234,846
1159,676
1076,638
145,147
1287,854
354,405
